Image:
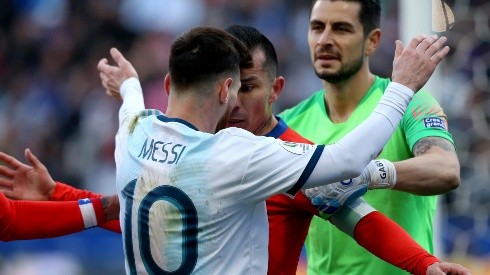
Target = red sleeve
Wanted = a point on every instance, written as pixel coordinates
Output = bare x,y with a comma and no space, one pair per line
390,242
25,220
113,226
65,192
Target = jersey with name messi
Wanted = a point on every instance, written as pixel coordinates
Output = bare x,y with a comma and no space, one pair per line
333,252
193,202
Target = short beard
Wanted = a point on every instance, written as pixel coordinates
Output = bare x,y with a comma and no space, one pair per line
345,72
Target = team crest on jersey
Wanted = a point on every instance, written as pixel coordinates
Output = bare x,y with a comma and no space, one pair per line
434,122
296,148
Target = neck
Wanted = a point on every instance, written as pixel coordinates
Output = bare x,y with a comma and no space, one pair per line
196,112
267,126
341,99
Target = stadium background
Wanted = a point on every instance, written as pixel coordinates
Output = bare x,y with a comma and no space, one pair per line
51,101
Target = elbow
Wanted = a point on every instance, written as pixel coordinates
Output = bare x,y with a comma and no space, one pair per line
451,177
453,180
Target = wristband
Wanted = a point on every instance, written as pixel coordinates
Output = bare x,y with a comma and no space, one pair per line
92,212
382,174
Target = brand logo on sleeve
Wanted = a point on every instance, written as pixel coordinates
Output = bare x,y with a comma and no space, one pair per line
296,148
434,122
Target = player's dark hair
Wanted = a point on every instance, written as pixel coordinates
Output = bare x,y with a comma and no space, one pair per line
202,55
369,15
254,39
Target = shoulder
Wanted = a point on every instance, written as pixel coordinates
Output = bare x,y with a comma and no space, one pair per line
145,115
291,135
303,106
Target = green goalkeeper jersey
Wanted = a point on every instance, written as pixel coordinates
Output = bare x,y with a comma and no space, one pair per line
329,251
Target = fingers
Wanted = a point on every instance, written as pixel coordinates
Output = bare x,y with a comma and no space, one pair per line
415,42
10,161
102,64
453,268
435,51
426,43
118,57
6,172
33,160
398,48
433,47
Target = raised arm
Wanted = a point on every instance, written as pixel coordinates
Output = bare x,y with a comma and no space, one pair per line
113,77
412,67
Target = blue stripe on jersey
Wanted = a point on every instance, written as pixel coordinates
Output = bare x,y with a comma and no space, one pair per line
170,119
308,170
278,130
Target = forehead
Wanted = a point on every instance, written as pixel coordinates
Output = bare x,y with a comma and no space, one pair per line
258,69
336,11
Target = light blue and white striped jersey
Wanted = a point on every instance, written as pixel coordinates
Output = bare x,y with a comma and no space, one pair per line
193,202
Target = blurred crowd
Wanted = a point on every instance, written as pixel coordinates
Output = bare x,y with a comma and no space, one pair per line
51,99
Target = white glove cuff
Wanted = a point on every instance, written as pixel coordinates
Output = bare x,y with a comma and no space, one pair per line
382,173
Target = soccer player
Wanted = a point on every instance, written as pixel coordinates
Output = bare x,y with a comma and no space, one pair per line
193,201
342,36
255,92
261,86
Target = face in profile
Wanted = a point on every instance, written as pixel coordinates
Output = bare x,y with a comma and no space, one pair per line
254,105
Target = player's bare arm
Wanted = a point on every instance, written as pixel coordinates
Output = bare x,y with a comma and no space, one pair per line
111,207
413,65
21,181
434,169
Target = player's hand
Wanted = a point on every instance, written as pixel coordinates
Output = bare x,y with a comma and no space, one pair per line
447,268
413,65
328,199
23,182
113,76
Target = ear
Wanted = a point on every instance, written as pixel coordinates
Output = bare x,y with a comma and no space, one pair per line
167,84
372,41
224,90
277,87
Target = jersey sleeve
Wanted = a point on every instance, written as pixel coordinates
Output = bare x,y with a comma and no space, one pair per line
26,220
398,249
371,228
283,166
65,192
133,104
424,118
